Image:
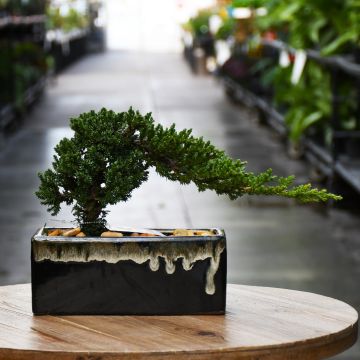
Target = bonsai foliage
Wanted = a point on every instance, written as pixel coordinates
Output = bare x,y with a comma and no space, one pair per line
110,155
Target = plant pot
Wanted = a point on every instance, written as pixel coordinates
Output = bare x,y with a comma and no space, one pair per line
128,275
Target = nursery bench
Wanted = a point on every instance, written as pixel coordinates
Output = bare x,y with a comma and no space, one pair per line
260,323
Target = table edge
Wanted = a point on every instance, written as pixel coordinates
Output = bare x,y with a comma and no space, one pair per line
344,339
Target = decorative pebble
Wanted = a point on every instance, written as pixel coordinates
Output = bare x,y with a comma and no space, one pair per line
183,232
55,232
111,234
71,232
203,233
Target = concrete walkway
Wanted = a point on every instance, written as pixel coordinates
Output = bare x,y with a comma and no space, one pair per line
272,242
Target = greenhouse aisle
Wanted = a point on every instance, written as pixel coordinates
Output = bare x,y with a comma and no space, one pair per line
271,241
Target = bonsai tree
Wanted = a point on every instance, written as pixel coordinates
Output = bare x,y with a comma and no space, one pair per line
110,155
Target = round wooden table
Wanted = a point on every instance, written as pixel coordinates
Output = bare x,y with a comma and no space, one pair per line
260,323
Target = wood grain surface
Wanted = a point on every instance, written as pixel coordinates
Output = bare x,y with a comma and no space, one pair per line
260,323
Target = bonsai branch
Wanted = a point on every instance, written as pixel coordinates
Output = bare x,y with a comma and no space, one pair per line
110,153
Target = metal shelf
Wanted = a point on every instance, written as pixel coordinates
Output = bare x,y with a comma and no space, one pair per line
350,172
274,118
32,93
320,152
5,21
7,114
66,37
21,20
315,154
341,62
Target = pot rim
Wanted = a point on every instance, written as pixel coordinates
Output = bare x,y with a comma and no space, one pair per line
39,237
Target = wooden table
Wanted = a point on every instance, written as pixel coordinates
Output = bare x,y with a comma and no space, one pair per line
260,323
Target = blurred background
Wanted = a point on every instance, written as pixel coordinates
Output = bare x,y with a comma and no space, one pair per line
272,82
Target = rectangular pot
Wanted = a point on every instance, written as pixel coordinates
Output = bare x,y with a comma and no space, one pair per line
170,275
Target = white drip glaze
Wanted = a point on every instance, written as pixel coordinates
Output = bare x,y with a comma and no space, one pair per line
112,253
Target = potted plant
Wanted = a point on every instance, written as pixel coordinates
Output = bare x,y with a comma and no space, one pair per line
90,269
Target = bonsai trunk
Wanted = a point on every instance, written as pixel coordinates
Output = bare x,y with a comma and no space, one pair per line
92,219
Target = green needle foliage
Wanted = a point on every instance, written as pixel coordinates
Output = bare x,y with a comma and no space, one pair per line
110,154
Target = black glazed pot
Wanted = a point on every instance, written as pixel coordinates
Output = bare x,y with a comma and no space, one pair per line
172,275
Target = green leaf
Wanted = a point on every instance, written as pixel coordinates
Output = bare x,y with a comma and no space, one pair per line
338,42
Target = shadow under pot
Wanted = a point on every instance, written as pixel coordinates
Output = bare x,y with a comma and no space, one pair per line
170,275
